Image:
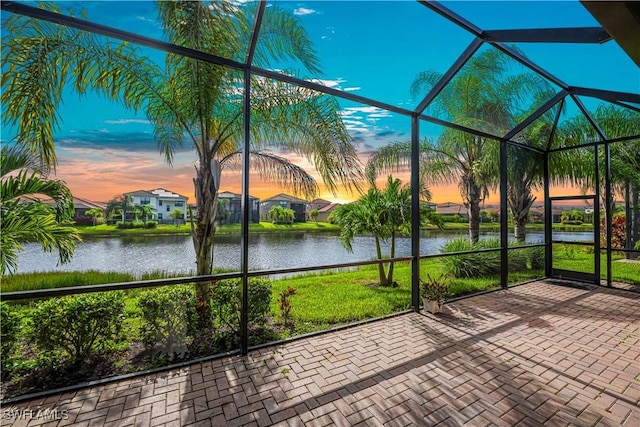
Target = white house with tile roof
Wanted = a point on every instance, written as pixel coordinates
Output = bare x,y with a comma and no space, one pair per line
162,201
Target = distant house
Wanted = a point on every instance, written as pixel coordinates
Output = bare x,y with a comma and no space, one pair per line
325,211
81,207
450,208
286,201
316,204
162,201
232,213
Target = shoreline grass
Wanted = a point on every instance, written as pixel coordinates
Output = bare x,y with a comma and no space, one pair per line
310,226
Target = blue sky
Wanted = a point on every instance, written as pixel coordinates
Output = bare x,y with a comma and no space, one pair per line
374,49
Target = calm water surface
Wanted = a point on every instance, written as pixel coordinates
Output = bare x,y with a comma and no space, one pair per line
175,254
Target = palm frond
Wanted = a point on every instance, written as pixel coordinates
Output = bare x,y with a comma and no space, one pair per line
276,170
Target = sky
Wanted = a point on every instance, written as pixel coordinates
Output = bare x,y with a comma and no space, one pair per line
373,49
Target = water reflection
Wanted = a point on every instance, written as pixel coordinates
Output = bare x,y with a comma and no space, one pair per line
267,251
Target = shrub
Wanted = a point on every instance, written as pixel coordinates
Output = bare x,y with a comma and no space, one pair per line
78,325
124,225
168,315
518,259
572,222
285,302
9,328
137,224
226,296
151,224
457,218
471,265
536,258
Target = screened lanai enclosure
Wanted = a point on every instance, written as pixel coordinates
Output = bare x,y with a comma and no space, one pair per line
478,145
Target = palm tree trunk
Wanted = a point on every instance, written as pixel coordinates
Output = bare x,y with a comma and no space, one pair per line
473,199
381,273
202,233
520,200
392,254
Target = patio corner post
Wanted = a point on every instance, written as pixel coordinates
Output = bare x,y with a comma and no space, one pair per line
415,212
596,216
608,213
504,217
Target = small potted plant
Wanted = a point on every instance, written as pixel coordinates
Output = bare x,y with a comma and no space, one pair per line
434,292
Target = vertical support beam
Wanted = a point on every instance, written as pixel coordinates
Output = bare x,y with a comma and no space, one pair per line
608,213
596,215
244,242
504,216
245,204
415,212
548,219
628,212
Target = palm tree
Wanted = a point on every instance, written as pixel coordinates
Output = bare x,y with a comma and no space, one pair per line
25,217
95,214
382,214
485,95
624,159
147,212
121,205
187,100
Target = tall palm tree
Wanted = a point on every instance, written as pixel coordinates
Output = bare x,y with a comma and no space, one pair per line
187,100
25,217
625,157
485,95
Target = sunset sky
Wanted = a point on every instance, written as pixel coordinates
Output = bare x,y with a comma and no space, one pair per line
374,49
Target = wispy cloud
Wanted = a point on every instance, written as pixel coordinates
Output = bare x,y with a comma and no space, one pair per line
330,83
303,11
351,89
126,121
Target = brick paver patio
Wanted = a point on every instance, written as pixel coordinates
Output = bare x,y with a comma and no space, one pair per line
537,354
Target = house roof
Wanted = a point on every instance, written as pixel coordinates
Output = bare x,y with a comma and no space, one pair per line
232,195
79,203
320,202
161,192
329,208
450,208
140,193
284,197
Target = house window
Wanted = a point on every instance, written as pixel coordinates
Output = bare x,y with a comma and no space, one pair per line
159,202
283,204
159,215
145,201
178,204
168,208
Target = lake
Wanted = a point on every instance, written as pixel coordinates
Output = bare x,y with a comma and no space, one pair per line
267,251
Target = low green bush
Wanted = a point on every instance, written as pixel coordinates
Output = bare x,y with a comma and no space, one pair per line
9,329
226,298
471,265
536,258
483,264
151,224
169,316
454,218
78,325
